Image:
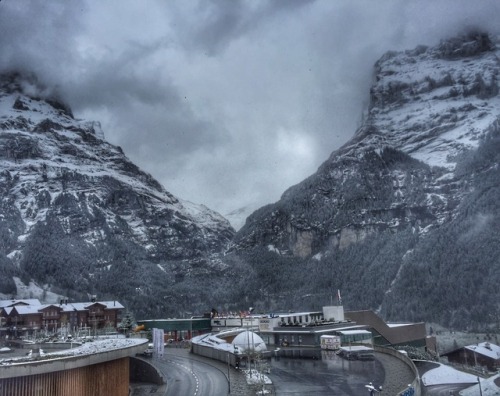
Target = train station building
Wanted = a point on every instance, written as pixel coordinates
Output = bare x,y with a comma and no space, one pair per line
303,329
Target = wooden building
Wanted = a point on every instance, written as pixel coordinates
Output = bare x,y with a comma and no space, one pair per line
483,354
23,317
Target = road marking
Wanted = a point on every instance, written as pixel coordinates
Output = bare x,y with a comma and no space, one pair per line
197,380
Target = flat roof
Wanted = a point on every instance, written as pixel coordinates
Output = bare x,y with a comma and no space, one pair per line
289,314
318,329
356,348
351,332
194,324
173,320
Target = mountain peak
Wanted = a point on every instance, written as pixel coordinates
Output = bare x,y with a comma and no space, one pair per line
434,103
77,213
470,44
405,215
26,87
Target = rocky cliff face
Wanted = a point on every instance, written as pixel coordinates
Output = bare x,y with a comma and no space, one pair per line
76,212
404,218
428,107
374,211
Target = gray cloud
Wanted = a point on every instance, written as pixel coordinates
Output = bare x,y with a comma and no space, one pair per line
225,102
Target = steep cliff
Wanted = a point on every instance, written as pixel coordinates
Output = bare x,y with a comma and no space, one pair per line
77,215
384,217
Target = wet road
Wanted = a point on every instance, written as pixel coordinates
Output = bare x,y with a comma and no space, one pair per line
332,375
186,376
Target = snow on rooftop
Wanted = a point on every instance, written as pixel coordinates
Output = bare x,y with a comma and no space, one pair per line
486,349
447,375
88,348
102,346
351,332
244,341
489,387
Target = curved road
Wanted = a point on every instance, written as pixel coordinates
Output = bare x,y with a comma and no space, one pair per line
190,377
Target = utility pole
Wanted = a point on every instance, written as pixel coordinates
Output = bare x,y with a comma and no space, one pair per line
228,375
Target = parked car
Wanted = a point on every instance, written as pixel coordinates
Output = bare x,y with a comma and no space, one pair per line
148,353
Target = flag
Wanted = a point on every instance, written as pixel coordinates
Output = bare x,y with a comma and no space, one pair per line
340,298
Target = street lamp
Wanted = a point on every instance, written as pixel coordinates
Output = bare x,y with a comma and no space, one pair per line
251,326
228,375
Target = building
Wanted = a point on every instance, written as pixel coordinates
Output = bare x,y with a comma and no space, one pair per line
394,334
100,369
304,329
178,329
26,317
234,346
483,354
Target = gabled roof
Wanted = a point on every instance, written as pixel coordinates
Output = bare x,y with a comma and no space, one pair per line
36,307
11,303
44,307
112,304
85,305
7,310
88,305
486,349
27,309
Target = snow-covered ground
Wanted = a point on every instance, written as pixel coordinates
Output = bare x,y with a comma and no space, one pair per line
447,375
254,377
443,375
488,387
32,290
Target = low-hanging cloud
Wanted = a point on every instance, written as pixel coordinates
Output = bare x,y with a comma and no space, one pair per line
225,102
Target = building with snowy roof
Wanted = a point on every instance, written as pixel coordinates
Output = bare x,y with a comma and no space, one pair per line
12,303
18,319
102,367
483,354
233,346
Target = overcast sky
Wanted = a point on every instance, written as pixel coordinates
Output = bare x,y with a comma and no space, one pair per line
227,103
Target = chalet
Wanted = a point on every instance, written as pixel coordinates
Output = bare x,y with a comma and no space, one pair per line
483,354
22,317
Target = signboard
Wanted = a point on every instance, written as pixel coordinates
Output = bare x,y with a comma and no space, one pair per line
158,342
330,342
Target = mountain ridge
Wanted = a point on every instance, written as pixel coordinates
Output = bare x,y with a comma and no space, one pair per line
403,218
400,184
61,179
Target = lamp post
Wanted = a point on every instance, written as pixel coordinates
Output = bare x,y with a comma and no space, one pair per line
251,326
228,375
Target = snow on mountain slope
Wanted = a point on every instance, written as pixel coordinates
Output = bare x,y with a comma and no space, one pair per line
435,103
47,157
404,216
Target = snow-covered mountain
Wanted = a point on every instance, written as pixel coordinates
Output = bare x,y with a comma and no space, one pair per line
404,216
435,103
75,212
